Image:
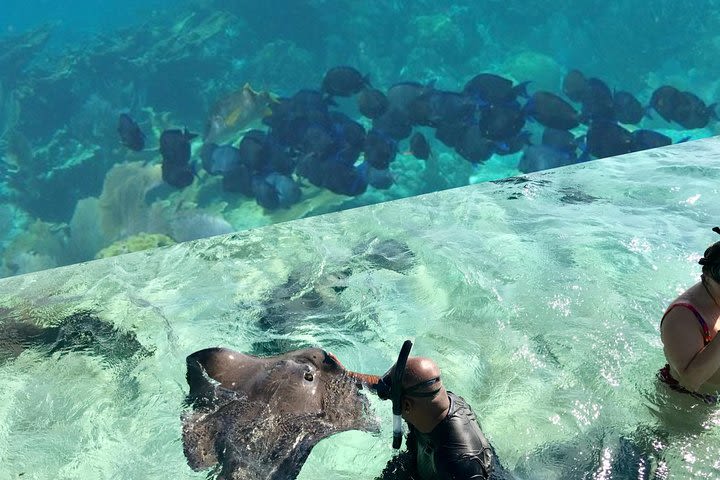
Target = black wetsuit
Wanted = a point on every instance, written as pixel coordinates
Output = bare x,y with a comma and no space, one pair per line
456,449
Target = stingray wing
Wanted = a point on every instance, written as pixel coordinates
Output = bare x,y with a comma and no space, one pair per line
198,435
251,442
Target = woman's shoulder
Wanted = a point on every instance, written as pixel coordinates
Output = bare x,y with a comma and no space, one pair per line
687,300
691,294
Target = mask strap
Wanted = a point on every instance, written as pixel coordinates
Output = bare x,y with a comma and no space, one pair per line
413,391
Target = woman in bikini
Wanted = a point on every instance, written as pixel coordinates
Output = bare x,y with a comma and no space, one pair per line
689,334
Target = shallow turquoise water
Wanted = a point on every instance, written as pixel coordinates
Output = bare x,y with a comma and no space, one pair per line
168,64
540,299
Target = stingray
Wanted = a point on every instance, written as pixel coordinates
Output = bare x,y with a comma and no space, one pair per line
306,299
259,417
82,331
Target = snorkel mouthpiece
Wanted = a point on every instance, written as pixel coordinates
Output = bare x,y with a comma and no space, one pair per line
397,431
396,392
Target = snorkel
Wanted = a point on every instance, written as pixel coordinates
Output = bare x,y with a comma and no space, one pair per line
389,387
396,392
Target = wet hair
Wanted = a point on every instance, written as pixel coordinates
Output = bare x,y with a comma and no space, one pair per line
710,260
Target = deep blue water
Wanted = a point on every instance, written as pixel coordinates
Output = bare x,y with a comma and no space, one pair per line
168,64
75,18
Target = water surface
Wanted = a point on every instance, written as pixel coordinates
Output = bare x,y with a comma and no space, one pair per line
539,297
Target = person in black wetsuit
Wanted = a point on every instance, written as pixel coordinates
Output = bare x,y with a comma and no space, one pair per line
445,440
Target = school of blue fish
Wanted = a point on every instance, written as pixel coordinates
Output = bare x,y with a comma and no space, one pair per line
308,138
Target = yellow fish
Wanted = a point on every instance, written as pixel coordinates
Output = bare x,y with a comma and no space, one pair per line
235,112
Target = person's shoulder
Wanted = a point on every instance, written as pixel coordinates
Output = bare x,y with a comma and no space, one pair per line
454,397
460,432
460,409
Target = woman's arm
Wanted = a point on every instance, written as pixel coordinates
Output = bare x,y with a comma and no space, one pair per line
686,353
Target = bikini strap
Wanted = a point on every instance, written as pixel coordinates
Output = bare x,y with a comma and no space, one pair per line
700,319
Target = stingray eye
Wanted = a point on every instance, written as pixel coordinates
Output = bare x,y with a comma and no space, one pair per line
309,376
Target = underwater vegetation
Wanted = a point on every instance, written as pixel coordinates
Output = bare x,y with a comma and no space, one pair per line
155,130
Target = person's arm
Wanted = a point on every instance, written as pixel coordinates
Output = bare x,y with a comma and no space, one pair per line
470,466
402,466
682,337
399,468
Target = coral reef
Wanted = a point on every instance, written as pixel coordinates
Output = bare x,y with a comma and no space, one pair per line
118,213
41,246
86,236
135,243
123,210
9,112
282,65
58,108
126,208
438,31
17,52
52,172
545,72
55,131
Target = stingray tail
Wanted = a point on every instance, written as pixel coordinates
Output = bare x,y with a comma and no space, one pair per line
370,380
366,378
